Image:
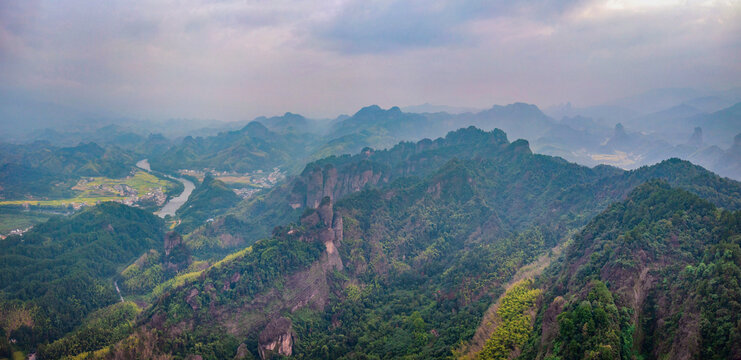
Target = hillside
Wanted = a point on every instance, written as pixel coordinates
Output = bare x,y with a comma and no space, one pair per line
338,176
62,269
654,276
404,269
251,148
41,170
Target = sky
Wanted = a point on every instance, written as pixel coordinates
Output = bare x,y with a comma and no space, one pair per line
235,59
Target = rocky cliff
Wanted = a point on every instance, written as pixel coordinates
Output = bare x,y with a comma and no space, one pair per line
276,338
336,177
242,304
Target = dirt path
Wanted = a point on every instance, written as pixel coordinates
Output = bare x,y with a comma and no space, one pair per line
490,320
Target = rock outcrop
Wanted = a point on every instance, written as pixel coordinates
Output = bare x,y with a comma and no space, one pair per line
337,177
276,339
172,240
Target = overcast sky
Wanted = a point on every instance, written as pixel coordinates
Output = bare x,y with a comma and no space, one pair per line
234,60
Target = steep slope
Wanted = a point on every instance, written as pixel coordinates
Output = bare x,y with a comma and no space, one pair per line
519,120
655,276
61,270
337,176
407,272
209,199
517,173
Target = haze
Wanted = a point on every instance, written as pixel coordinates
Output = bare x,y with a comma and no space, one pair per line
234,60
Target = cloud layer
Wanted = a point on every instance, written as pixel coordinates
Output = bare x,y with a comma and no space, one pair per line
236,59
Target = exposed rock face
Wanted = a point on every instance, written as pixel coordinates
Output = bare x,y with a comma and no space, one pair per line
177,255
315,184
309,287
172,239
192,299
550,323
242,352
340,176
276,338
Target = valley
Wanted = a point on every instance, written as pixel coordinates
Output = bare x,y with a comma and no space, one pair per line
466,245
370,180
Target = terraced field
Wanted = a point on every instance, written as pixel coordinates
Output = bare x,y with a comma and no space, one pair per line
90,191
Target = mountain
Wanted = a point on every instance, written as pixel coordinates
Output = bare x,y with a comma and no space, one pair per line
290,122
41,170
208,200
55,274
373,116
721,126
408,267
430,108
724,162
254,147
519,120
659,99
656,275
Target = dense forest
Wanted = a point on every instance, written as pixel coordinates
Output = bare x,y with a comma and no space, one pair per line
398,253
62,270
656,275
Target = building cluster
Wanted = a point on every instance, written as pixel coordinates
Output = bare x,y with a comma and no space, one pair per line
15,232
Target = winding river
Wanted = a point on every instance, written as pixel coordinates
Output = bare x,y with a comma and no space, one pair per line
175,203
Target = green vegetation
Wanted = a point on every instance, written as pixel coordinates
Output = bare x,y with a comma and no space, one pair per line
592,328
430,233
250,148
144,274
62,269
515,323
660,246
94,190
14,218
42,171
102,328
210,199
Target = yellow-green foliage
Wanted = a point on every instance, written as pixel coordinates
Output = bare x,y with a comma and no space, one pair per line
90,192
144,274
514,321
97,354
101,329
177,281
232,256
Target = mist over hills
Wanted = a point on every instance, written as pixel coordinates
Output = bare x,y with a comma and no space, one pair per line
657,125
370,180
493,234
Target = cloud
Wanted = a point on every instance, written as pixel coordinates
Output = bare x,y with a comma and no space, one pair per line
237,59
388,26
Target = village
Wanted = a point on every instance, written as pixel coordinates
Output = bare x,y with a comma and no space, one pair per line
243,184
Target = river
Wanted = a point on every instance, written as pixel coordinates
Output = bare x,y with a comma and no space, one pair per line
175,203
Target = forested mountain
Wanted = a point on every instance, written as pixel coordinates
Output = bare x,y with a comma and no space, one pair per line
338,176
54,275
407,266
388,253
41,170
210,199
250,148
654,276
